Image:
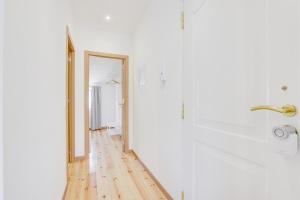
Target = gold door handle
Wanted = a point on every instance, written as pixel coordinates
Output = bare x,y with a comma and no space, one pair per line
286,110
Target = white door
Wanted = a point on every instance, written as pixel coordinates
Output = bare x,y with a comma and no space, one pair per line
239,54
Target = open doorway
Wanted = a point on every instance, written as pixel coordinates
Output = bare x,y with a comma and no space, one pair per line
106,96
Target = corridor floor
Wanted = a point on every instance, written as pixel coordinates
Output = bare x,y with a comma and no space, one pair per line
110,174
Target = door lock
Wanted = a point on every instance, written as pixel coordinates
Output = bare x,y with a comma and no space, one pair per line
285,140
283,132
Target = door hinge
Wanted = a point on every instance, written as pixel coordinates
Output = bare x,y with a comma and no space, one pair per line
182,110
182,195
182,20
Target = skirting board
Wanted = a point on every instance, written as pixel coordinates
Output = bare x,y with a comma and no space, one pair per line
102,128
78,158
163,190
65,192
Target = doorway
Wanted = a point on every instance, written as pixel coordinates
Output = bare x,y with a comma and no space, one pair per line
70,94
106,96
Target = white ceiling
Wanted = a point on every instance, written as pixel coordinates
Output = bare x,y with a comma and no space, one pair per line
104,69
124,14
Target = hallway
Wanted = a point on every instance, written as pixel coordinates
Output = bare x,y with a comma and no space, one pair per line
111,174
206,95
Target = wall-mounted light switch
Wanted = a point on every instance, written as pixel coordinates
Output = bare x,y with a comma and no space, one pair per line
163,75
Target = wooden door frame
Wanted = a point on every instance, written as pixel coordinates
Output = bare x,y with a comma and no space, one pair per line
70,137
125,87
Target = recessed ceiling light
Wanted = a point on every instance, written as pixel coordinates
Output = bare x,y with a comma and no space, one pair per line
107,17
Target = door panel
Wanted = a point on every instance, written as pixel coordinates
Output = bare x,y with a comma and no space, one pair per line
230,171
229,59
238,54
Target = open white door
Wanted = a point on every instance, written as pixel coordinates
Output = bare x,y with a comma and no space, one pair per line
240,54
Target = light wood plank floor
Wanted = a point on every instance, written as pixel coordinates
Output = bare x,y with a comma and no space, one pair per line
110,174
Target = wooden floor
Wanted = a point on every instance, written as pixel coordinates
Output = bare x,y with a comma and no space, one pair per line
110,174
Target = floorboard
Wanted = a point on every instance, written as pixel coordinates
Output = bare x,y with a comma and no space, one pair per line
110,174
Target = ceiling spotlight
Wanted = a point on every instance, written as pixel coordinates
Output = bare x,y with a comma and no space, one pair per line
107,17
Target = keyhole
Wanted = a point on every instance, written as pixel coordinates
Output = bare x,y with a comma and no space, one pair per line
284,88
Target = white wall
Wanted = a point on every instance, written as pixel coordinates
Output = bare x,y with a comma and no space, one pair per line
35,99
157,111
1,95
108,105
96,40
103,70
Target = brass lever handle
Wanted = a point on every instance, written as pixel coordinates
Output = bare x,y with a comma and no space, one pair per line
287,110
